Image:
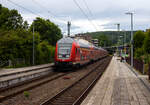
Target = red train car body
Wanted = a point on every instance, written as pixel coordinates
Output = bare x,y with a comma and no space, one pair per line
75,52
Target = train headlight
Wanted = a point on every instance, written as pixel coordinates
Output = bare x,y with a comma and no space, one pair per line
67,56
60,56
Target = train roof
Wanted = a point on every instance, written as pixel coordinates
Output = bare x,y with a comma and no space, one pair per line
81,42
102,49
66,40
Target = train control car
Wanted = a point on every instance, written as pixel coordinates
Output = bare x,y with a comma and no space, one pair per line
76,52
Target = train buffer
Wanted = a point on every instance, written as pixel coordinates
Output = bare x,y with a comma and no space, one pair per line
119,85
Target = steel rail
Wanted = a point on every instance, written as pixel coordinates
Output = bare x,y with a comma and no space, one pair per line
78,100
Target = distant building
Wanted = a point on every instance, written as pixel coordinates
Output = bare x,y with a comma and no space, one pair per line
85,37
95,42
88,38
147,30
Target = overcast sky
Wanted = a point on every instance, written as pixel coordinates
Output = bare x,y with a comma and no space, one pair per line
99,15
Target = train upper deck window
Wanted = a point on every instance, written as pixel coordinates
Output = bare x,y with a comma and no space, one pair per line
64,50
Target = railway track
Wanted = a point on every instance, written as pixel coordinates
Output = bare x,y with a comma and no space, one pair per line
15,93
74,94
13,90
17,88
27,85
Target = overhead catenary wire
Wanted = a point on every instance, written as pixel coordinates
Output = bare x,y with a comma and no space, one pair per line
90,12
31,11
44,7
25,8
51,13
56,17
85,14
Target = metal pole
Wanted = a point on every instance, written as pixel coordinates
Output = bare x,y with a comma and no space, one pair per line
125,41
112,43
132,39
118,27
130,13
124,45
69,24
33,45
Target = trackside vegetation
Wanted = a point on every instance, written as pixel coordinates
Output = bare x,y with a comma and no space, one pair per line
142,45
16,39
142,49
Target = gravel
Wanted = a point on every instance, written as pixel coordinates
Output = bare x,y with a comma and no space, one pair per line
39,94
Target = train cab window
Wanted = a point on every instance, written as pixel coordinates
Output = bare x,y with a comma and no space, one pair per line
64,50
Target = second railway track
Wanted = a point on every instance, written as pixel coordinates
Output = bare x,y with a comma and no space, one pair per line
74,94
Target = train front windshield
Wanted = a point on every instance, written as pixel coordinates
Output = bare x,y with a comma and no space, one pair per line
64,50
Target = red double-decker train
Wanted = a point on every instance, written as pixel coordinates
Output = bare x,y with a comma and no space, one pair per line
76,52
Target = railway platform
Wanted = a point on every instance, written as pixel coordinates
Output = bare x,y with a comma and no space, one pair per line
119,85
10,77
5,72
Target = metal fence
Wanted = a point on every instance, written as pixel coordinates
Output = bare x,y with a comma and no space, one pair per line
4,63
14,63
138,64
149,71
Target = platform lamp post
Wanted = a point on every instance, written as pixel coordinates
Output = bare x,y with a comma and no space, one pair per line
124,40
118,29
68,25
33,46
121,44
130,13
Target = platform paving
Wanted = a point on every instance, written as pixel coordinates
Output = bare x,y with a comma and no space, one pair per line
119,86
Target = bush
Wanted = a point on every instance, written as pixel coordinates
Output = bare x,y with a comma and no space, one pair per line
45,53
139,52
26,94
146,69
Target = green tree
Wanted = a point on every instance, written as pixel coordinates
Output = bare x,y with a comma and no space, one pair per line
45,53
16,38
10,19
0,8
147,50
147,42
147,45
138,38
139,53
17,44
48,31
25,25
103,40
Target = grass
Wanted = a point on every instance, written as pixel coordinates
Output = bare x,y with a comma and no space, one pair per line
26,94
